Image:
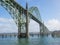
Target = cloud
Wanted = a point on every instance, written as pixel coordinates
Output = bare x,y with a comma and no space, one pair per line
7,25
53,24
33,26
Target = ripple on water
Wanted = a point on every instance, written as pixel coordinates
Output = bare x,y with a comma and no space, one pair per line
30,41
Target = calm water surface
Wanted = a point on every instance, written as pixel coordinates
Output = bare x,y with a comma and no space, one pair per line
30,41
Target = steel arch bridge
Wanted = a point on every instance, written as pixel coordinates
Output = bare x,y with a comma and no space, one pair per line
21,16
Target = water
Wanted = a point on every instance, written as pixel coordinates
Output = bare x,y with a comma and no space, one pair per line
45,40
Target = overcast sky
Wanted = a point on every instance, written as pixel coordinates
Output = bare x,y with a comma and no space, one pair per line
49,11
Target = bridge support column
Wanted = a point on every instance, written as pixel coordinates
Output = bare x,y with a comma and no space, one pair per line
41,29
22,31
23,27
27,20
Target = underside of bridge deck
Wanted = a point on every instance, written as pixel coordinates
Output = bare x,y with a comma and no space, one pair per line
21,16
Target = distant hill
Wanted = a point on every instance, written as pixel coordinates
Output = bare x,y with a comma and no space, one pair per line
56,33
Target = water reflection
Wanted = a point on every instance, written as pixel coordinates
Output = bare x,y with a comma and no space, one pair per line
42,40
33,41
23,41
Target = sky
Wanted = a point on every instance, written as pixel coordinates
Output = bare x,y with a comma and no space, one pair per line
49,11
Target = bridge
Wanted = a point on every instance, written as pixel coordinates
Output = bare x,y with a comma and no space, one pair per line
22,17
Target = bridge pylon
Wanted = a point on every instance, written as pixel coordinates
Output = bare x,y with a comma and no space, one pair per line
24,26
41,29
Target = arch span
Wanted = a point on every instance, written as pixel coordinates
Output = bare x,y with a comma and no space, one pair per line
35,12
17,13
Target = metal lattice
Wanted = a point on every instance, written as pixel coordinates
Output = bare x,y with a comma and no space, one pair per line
16,12
35,12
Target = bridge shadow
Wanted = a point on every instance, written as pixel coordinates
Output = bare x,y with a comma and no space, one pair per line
23,41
